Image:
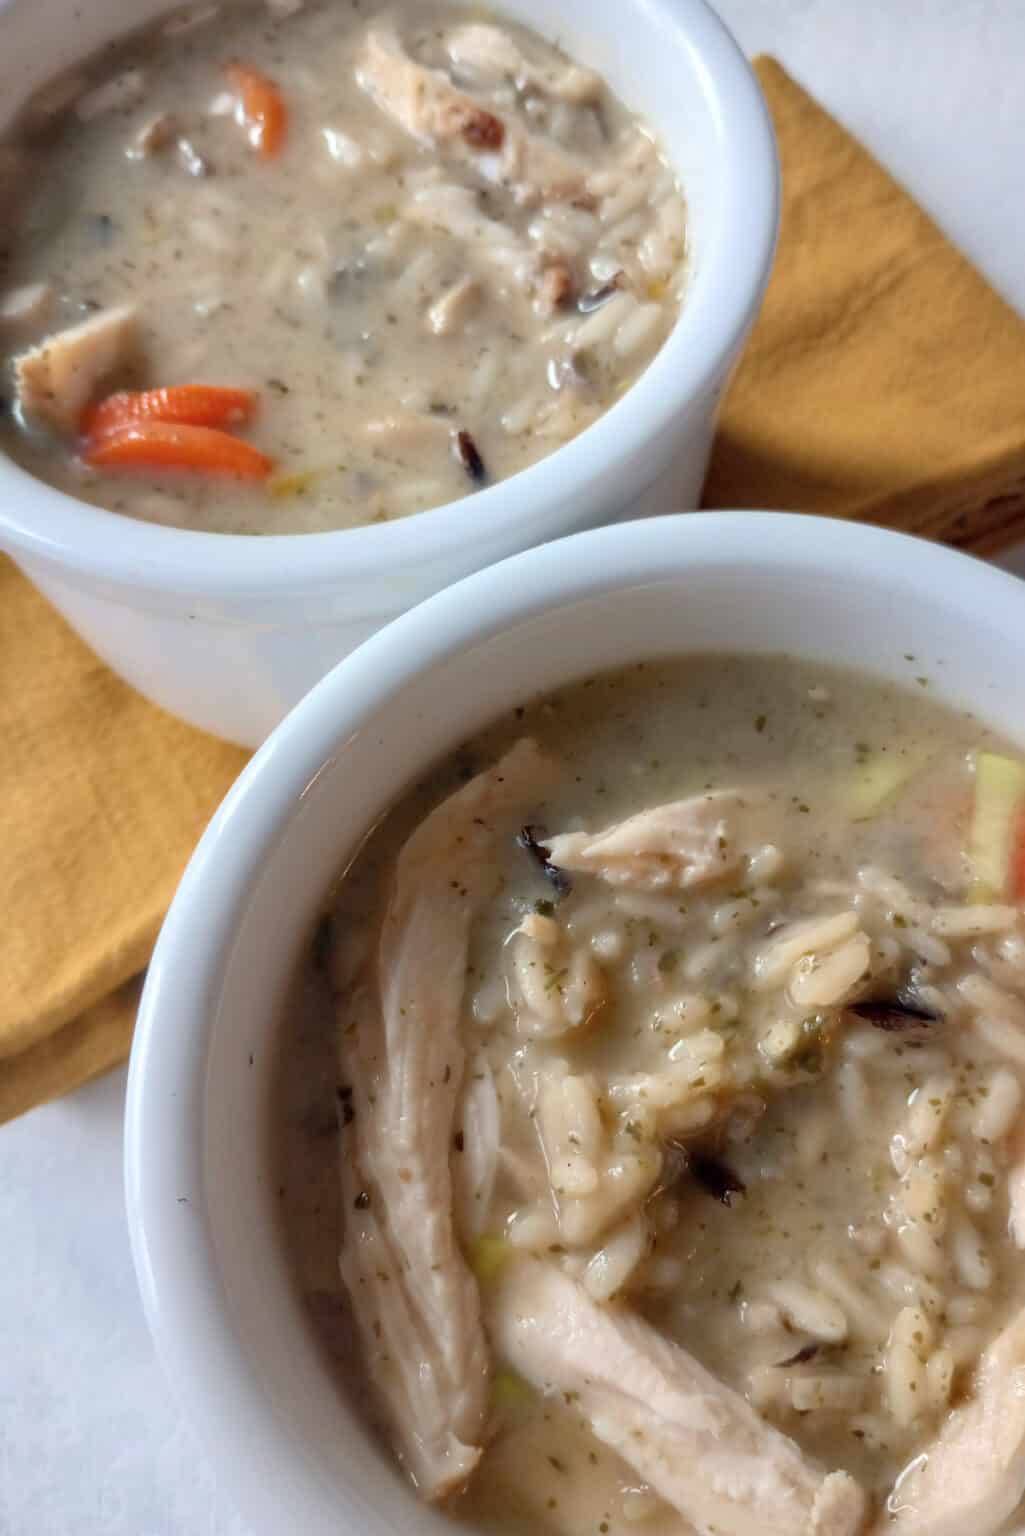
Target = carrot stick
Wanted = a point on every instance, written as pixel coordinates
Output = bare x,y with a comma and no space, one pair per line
263,109
175,445
197,405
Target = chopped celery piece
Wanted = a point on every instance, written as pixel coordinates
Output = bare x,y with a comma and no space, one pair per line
999,797
509,1390
878,779
487,1257
281,487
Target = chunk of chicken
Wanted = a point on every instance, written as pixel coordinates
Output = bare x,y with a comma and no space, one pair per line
429,107
491,54
697,1443
25,306
679,845
56,379
973,1478
536,170
456,211
555,288
414,1298
424,103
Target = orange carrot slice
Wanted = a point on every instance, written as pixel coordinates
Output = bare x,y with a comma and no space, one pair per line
263,109
197,405
176,445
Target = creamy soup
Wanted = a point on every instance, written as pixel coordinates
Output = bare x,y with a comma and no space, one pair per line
315,265
670,1040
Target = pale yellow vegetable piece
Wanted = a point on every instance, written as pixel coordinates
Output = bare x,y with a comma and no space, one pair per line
999,797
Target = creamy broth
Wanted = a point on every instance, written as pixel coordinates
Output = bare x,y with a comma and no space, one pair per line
749,1073
461,250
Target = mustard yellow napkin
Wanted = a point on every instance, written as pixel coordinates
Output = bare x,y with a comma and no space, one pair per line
102,798
884,381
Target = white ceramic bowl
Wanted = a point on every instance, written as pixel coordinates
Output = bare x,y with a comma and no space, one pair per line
229,632
200,1189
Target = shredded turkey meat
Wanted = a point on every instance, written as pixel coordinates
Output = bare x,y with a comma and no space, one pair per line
692,1439
683,844
415,1300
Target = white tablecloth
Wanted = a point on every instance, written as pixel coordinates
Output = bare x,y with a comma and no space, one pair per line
90,1444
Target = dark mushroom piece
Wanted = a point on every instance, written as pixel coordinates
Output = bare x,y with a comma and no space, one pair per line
716,1178
529,838
896,1014
801,1357
595,298
466,451
713,1175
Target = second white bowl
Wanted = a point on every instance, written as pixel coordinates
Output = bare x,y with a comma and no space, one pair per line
200,1186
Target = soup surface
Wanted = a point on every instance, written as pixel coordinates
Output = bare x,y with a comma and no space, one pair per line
421,246
670,1039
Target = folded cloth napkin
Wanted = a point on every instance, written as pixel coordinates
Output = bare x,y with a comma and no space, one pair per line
102,798
883,381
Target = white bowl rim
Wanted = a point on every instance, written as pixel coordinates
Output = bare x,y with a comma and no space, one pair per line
164,1130
40,522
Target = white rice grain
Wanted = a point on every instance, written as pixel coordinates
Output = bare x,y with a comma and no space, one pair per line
534,1228
775,959
830,1392
998,1106
905,1382
972,1263
940,1378
965,922
637,330
928,1107
610,1270
862,1310
766,863
600,326
852,1092
823,980
810,1311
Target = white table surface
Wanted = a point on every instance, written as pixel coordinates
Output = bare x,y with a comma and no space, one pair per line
90,1442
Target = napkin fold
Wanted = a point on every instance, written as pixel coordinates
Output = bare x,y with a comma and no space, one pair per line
884,381
102,798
